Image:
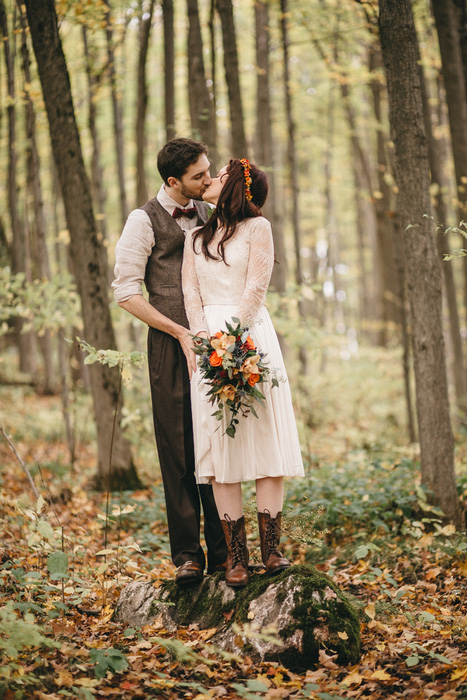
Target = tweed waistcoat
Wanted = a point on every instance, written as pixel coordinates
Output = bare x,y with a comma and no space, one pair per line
163,276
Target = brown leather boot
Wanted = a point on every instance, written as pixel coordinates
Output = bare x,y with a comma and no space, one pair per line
270,533
236,573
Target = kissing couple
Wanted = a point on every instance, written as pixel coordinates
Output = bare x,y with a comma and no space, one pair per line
206,254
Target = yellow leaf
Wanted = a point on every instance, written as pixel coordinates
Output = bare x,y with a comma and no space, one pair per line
459,673
448,530
126,375
207,634
278,679
342,635
262,677
86,682
463,568
353,679
380,675
370,611
64,678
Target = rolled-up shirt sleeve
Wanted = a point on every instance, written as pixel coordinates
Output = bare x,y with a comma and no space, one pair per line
131,255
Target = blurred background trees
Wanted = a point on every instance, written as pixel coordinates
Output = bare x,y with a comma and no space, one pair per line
300,88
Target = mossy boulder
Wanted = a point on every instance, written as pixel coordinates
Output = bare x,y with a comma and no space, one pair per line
287,618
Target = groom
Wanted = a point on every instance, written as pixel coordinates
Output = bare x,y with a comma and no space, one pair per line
151,249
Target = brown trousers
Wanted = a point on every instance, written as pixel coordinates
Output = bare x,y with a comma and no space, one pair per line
170,392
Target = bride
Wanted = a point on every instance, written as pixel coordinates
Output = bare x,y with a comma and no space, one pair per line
226,270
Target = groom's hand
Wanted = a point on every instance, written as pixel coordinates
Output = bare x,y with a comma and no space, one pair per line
186,341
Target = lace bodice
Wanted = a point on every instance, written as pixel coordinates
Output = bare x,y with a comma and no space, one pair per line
242,282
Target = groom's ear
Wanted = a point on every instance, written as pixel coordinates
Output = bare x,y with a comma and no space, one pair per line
173,182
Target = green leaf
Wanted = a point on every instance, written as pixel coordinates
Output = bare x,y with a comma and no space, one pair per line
390,580
442,658
57,563
45,529
412,660
243,691
361,552
230,431
40,504
257,686
107,660
426,617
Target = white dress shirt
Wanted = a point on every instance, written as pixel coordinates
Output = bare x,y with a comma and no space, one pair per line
136,243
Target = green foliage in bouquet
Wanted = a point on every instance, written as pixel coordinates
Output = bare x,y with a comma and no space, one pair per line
231,365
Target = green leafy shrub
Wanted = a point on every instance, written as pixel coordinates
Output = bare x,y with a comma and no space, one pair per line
19,632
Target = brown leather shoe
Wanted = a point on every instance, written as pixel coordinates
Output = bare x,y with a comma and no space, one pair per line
236,572
270,533
189,572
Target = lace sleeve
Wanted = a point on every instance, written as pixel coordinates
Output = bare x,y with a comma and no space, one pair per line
191,292
260,264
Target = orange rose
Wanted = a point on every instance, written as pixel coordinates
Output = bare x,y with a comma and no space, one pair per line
249,344
252,379
218,334
215,360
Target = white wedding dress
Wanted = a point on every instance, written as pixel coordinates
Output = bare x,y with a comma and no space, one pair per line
214,292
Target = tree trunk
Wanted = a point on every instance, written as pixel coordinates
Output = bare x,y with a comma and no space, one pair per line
145,23
35,188
97,177
387,254
169,68
86,248
291,147
239,145
18,244
264,143
435,159
405,328
454,82
292,165
117,115
424,280
203,122
365,220
462,24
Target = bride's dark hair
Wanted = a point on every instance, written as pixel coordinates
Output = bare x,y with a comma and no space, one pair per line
233,206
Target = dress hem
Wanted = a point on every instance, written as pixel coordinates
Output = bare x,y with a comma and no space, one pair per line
297,473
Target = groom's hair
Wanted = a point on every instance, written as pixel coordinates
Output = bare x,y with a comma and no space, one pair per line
174,159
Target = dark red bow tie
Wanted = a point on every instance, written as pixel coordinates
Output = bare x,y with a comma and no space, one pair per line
190,213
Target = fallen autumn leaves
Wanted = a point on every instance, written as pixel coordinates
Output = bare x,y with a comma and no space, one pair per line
413,620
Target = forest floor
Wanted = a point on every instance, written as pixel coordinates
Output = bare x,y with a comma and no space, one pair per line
62,568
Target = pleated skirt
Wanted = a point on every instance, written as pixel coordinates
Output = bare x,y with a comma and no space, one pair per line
263,446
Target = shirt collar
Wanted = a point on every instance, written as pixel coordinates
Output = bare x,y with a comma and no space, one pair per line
170,204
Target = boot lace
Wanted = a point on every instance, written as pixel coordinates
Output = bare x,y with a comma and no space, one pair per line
273,534
237,545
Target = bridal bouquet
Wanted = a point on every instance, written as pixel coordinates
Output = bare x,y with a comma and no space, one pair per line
232,366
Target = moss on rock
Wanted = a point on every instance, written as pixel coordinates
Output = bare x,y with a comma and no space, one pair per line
307,608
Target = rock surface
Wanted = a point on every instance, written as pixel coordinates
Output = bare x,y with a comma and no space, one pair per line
286,618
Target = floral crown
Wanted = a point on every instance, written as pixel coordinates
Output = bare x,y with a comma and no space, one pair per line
246,172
